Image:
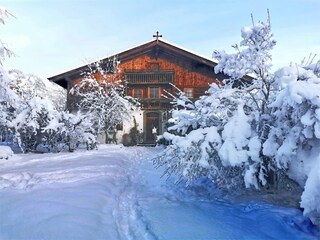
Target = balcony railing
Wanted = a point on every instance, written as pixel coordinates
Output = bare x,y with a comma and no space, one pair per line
155,103
162,77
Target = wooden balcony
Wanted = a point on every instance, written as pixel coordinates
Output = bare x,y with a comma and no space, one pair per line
157,77
155,103
146,103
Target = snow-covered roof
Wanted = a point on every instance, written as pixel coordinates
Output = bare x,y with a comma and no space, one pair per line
199,57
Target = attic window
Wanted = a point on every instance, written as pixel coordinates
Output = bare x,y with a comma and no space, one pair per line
154,66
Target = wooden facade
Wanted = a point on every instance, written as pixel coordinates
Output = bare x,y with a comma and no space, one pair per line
149,70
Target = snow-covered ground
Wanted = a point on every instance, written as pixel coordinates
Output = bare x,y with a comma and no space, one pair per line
116,193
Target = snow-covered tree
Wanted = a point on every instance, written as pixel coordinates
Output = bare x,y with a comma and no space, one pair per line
29,123
227,125
31,118
5,52
102,97
259,129
28,86
9,101
252,58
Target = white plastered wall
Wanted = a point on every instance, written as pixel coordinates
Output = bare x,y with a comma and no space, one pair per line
128,124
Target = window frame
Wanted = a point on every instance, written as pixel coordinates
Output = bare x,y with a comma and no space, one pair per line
135,90
149,92
187,94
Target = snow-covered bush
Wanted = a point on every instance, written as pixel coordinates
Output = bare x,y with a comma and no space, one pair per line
72,130
294,137
40,127
259,129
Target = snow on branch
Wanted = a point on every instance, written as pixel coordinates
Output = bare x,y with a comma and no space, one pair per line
263,134
4,14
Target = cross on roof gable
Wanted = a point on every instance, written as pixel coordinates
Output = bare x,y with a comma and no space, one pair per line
157,36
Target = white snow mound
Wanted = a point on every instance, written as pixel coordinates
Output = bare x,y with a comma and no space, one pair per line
5,152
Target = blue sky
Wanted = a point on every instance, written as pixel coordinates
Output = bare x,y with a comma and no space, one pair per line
52,36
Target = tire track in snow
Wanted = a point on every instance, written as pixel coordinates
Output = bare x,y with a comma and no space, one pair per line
131,224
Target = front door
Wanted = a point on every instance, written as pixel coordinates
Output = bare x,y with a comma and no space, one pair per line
152,121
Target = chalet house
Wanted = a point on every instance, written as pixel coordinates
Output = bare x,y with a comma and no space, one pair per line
150,69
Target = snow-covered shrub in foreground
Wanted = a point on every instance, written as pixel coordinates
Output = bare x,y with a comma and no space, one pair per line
310,198
5,152
294,138
259,132
71,130
40,127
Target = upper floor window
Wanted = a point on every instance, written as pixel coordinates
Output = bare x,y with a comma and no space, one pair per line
188,92
138,93
154,92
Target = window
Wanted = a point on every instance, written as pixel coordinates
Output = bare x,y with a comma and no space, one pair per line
138,93
154,92
154,66
188,92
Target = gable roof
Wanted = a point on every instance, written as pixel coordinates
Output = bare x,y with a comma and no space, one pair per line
141,50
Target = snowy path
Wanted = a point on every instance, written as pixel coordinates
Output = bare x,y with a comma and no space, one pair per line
114,193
